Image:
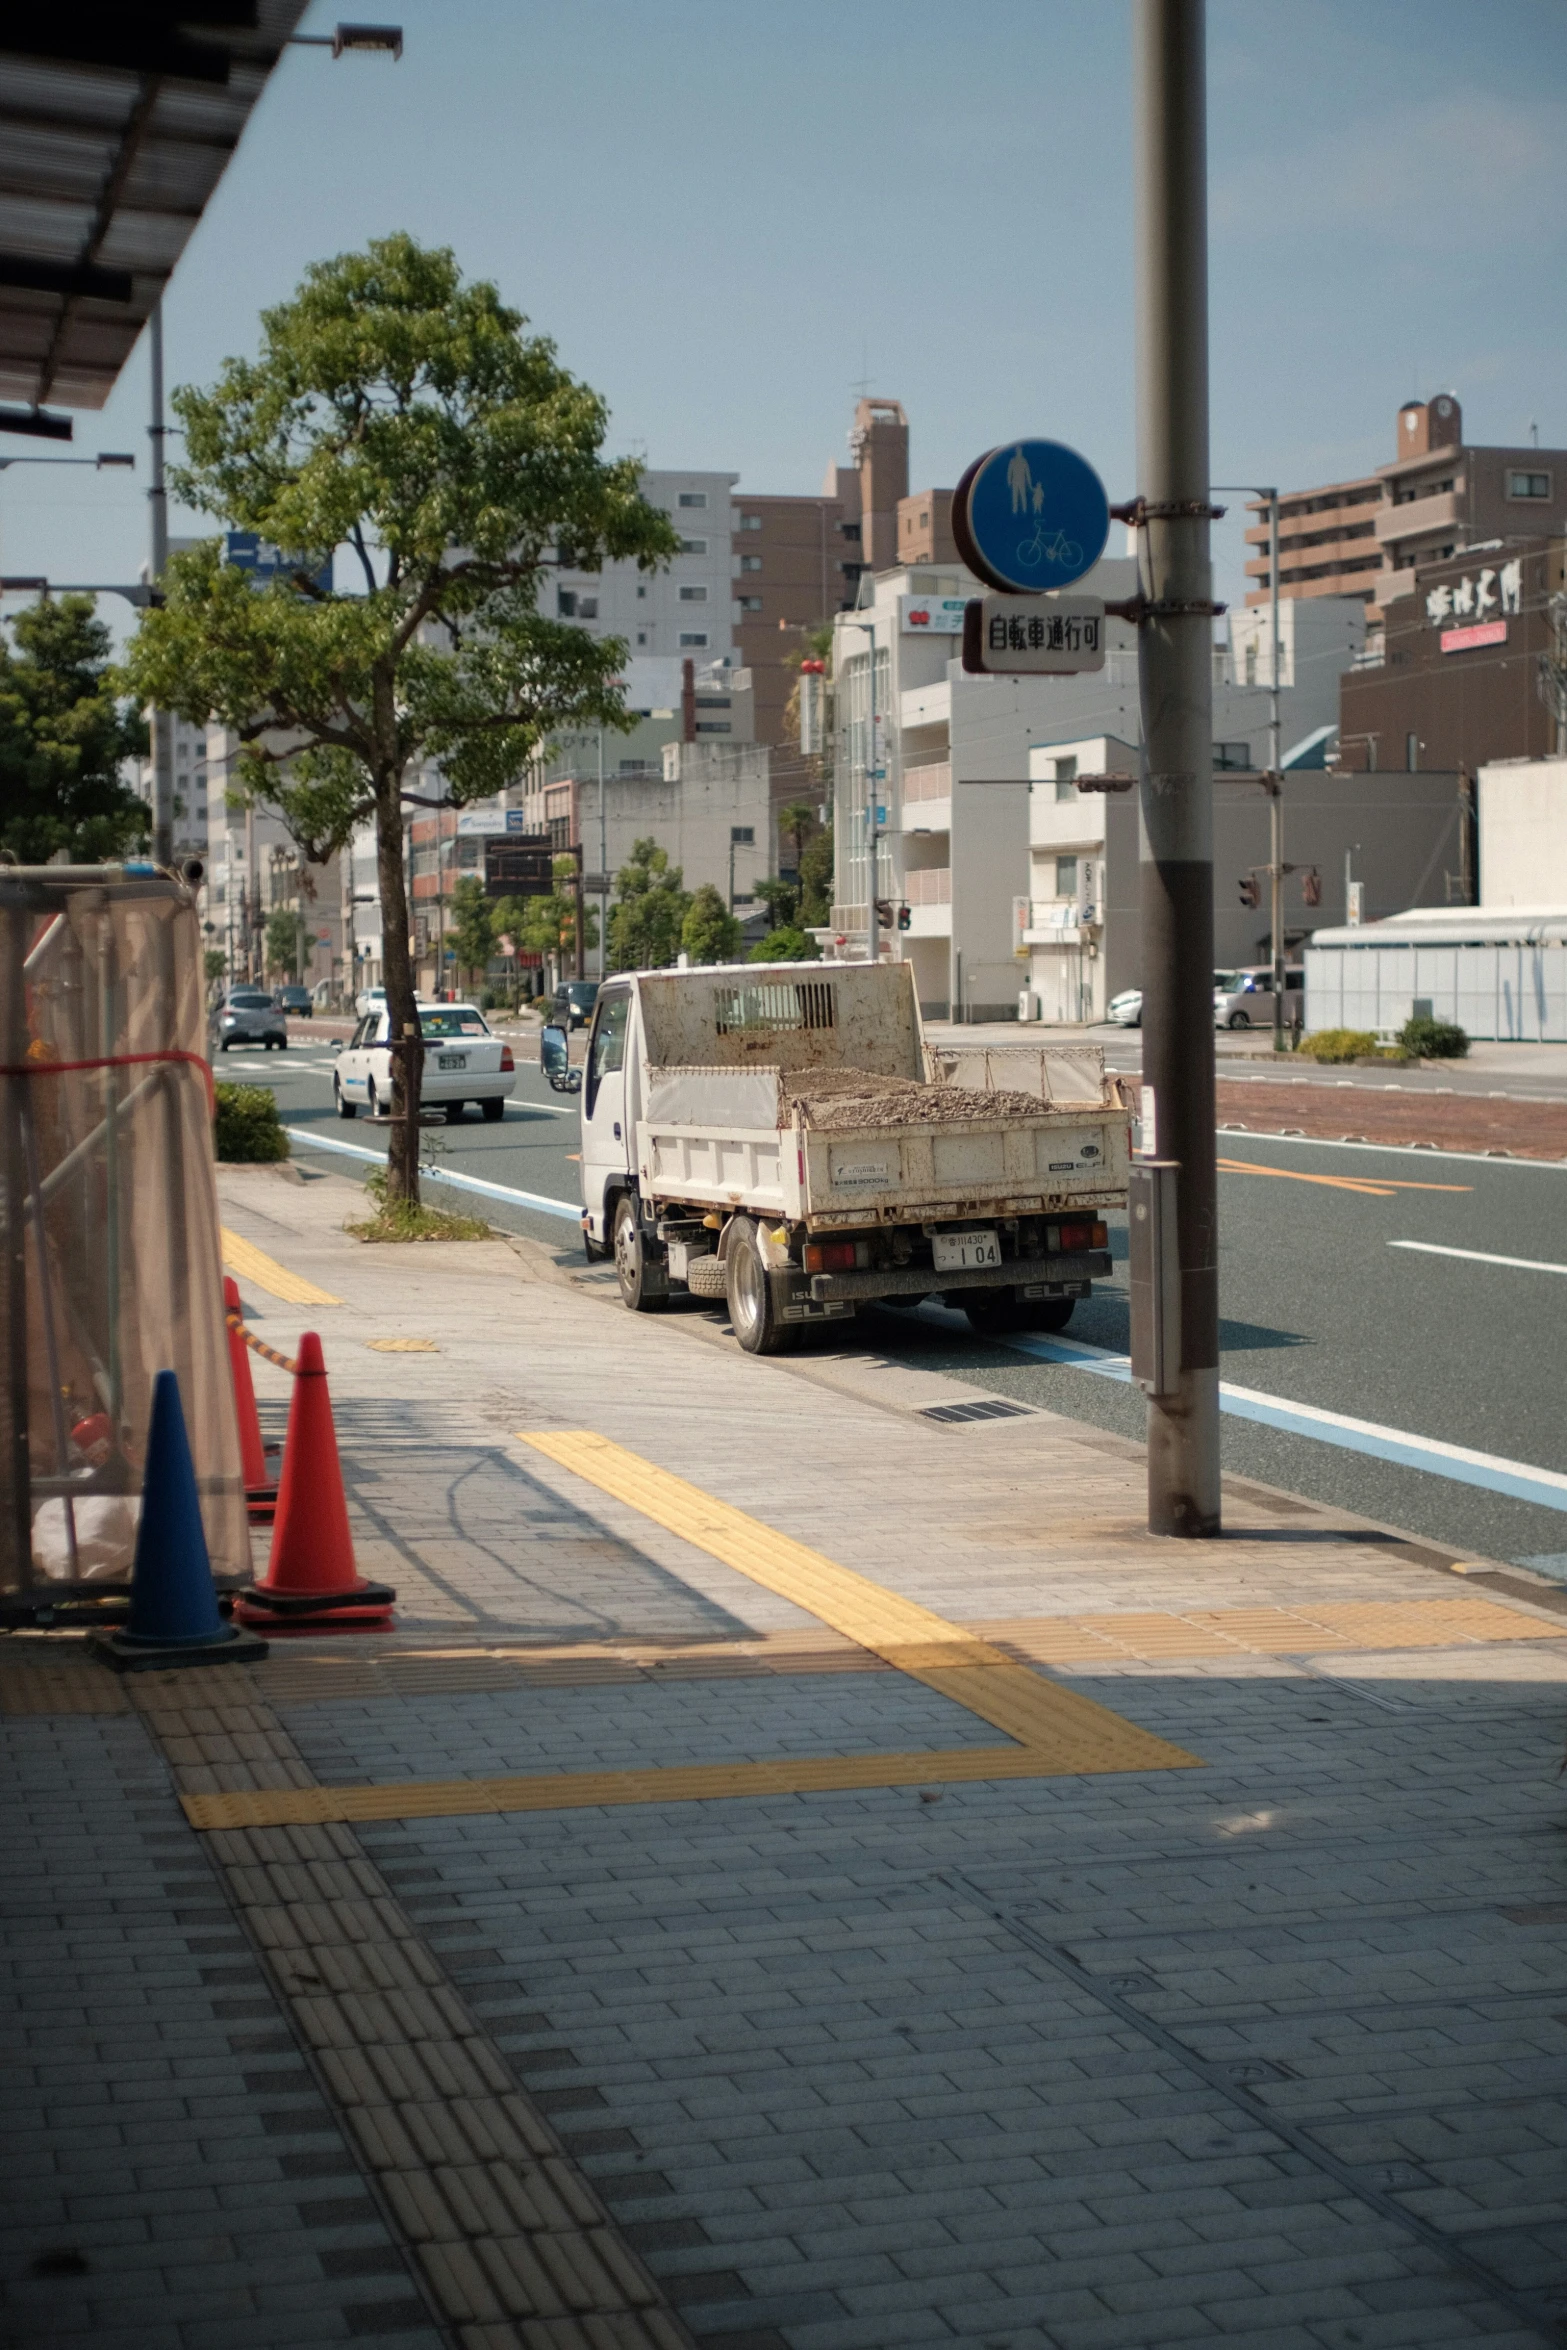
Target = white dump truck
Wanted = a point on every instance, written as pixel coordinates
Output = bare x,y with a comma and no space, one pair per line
782,1137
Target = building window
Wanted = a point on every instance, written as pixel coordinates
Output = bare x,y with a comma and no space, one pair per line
566,603
641,636
693,636
693,546
1528,485
469,852
750,603
714,726
693,595
693,497
1066,877
642,595
750,562
850,530
587,607
748,521
1066,779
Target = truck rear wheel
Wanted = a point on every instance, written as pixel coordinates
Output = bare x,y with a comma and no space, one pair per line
638,1290
993,1312
751,1310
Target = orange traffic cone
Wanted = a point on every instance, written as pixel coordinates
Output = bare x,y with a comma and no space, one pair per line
260,1484
311,1583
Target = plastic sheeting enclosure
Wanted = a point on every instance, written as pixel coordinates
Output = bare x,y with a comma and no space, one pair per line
109,1245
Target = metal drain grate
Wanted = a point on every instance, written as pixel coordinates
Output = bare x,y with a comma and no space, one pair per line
995,1410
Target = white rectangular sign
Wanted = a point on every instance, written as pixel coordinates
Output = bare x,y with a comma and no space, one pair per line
1040,636
931,615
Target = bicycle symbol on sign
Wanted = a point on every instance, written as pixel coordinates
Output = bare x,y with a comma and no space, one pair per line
1049,547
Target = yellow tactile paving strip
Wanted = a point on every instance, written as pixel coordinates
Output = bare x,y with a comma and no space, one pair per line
1058,1731
250,1263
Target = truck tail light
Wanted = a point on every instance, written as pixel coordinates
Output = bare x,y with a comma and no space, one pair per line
508,1065
1076,1236
835,1256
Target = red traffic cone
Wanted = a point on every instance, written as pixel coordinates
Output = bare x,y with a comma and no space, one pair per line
311,1583
260,1484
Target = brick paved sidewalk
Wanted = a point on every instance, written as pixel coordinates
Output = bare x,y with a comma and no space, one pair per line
1266,2051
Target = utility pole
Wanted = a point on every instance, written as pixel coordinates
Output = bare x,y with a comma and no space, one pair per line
1275,786
1176,686
160,725
603,869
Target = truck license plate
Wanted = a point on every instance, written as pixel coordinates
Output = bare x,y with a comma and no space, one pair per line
961,1252
452,1061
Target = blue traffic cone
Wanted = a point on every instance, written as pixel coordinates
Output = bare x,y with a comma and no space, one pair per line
174,1618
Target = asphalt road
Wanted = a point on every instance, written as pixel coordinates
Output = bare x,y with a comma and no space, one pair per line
1321,1309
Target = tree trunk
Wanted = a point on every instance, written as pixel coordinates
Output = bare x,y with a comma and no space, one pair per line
402,1158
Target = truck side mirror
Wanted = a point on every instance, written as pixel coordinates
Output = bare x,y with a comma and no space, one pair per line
555,1060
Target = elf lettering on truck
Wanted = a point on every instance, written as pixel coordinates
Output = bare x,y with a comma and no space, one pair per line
781,1137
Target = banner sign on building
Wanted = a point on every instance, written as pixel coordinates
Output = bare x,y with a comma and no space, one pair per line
1469,640
1033,636
485,821
931,615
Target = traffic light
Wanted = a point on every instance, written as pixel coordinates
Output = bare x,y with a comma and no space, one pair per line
884,913
905,918
1251,890
1311,886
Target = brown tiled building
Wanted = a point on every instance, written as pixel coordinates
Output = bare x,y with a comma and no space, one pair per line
1439,496
1459,682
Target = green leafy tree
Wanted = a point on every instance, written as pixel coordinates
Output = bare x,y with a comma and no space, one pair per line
398,412
547,925
649,915
63,737
215,963
816,880
796,824
785,942
709,933
470,929
283,941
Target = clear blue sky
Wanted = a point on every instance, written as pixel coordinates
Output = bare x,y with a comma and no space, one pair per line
728,216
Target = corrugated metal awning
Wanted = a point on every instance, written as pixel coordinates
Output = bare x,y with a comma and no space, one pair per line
116,120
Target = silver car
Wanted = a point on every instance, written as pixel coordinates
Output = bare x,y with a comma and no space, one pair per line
248,1016
1244,999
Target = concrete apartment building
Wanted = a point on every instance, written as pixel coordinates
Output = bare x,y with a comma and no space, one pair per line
663,614
1439,496
1081,936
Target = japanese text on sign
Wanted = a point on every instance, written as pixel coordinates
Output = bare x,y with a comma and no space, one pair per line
1039,632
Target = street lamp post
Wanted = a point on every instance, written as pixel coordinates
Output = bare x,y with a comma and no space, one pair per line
1275,786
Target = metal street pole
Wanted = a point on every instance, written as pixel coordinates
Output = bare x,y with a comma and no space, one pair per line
868,628
603,866
1275,759
160,725
1176,686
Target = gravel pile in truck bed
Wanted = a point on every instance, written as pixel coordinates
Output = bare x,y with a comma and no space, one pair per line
832,1101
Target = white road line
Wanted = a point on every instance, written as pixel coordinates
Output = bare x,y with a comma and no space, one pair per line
1404,1150
1519,1479
309,1139
1478,1256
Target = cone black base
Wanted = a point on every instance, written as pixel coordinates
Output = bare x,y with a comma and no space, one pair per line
368,1604
122,1654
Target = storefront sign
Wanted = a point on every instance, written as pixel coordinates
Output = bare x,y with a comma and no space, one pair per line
931,615
1468,640
1472,597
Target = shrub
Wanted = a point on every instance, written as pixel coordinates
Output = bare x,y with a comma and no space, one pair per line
245,1124
1340,1044
1433,1040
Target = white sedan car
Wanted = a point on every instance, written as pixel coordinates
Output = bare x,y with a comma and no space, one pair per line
463,1062
1126,1009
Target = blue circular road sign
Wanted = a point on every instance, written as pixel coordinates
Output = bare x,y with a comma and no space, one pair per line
1031,515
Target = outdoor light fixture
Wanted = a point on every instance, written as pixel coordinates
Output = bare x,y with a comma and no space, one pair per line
114,457
387,38
38,422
